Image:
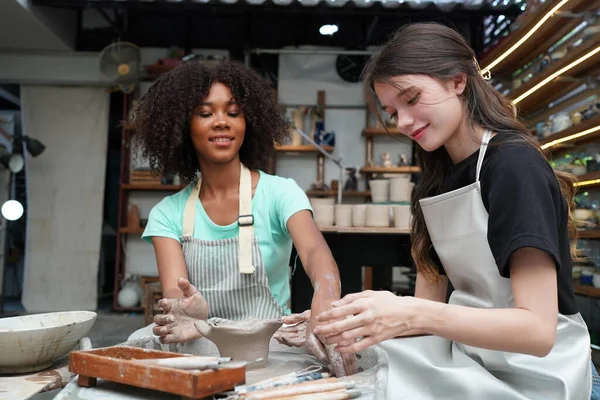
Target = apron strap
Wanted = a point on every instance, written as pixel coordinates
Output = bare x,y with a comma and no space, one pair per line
189,213
245,222
487,135
245,219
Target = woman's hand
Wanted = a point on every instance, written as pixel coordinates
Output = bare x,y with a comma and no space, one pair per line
360,320
294,333
340,364
176,325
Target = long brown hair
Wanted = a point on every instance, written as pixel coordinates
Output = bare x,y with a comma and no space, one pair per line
440,52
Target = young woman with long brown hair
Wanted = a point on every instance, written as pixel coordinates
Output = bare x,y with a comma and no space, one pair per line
492,218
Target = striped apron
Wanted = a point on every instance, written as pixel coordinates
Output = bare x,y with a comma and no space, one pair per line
229,273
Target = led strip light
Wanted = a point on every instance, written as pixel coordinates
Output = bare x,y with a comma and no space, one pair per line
587,183
571,137
557,73
526,36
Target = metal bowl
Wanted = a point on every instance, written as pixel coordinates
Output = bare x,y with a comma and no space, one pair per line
34,342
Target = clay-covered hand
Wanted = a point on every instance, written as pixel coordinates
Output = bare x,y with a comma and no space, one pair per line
293,333
340,364
176,324
360,320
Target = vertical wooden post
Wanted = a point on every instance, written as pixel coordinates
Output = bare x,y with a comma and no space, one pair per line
321,157
123,202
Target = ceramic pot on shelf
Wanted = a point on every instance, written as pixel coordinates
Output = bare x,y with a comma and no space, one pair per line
401,188
343,215
378,215
359,217
380,190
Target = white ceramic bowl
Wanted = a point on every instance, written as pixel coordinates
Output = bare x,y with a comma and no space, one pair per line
33,342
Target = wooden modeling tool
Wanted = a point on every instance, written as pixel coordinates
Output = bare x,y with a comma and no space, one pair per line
312,387
333,395
194,362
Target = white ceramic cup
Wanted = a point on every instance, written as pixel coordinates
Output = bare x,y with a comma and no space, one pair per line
322,201
378,215
343,215
359,217
380,190
401,216
324,214
400,188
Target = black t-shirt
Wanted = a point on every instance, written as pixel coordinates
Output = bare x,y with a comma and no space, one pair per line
526,208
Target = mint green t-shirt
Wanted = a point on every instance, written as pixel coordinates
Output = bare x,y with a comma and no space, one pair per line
275,200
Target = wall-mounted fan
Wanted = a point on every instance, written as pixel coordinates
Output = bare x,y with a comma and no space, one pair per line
120,62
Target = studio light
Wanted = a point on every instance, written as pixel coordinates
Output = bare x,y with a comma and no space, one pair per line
12,210
328,30
14,162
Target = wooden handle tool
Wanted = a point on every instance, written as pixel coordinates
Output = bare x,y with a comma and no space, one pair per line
333,395
196,362
319,386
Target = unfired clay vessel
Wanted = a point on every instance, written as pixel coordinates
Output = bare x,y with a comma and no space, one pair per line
246,340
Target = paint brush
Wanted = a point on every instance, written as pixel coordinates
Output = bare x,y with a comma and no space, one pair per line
288,379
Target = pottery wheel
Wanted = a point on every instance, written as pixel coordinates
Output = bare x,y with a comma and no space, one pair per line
372,363
281,363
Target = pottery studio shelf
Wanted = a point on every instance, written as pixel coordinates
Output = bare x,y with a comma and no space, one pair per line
331,193
370,132
546,86
581,133
545,113
305,148
588,234
539,40
364,230
585,290
591,179
390,170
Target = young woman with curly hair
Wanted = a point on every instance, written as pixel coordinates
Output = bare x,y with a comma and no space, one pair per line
223,243
492,218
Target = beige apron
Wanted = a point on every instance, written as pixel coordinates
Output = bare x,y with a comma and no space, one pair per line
229,273
431,367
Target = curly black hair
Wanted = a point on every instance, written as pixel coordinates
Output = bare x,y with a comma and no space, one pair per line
162,118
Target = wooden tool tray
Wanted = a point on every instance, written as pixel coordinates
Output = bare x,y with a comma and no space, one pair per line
117,364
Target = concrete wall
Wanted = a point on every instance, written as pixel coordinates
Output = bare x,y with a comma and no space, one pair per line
66,196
